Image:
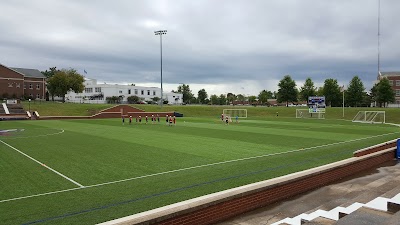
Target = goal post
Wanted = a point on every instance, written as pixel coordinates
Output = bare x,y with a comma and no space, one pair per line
370,117
309,113
232,113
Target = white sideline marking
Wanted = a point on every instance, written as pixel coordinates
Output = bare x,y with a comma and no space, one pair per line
40,135
193,167
36,195
37,161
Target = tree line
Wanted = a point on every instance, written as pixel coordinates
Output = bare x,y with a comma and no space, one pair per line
59,82
355,95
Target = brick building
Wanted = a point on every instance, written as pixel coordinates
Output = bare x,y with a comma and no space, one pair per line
20,82
394,80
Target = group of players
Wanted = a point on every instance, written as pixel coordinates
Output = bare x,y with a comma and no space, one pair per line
170,120
227,119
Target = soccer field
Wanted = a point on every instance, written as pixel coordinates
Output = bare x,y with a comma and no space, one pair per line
91,171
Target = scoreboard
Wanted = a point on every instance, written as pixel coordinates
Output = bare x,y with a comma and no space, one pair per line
316,104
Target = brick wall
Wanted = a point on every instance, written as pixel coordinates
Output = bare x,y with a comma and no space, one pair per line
35,87
376,148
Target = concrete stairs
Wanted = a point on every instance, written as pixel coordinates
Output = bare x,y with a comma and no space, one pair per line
377,198
377,211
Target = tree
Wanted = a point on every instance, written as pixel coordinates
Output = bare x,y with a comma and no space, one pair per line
66,80
155,99
133,99
382,92
287,91
49,74
202,96
320,91
214,100
186,92
222,99
114,99
331,91
264,96
252,99
355,92
307,90
231,97
240,97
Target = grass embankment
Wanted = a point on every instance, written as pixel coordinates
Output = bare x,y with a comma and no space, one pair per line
74,109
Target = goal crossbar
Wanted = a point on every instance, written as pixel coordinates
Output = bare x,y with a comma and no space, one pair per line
232,113
307,113
370,117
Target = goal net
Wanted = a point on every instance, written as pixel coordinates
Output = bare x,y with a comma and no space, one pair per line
370,117
232,113
309,113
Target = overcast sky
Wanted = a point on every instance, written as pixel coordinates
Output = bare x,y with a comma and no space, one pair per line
239,46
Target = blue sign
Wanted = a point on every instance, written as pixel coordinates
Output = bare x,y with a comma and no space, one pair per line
398,149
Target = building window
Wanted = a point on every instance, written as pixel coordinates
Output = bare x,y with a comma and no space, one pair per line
142,92
136,91
154,92
397,82
10,85
30,96
148,92
38,96
391,82
97,89
30,86
18,85
37,86
88,90
397,92
24,86
120,92
129,91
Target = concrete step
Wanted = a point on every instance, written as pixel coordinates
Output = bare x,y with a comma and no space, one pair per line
394,220
319,221
365,216
379,205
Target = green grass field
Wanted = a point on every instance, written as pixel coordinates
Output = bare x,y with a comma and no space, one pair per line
91,171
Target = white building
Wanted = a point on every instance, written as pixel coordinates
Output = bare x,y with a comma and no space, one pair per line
97,93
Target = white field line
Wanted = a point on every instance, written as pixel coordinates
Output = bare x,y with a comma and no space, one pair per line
194,167
47,193
37,161
41,135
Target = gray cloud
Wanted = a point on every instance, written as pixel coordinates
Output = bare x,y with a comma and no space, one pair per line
209,43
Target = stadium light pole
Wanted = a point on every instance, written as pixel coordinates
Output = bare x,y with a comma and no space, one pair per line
343,100
161,33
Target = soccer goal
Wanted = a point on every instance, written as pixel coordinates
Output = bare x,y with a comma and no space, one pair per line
232,113
309,113
370,117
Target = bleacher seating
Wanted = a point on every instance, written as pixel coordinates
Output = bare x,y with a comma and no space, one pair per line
16,109
2,110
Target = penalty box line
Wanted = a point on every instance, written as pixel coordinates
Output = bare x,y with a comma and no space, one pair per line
195,167
42,164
